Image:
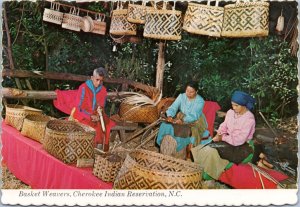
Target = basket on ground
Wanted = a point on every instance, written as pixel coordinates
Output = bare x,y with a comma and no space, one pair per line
143,169
15,114
141,114
69,140
34,126
246,19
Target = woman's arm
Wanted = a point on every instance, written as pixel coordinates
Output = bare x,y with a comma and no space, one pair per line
173,109
195,113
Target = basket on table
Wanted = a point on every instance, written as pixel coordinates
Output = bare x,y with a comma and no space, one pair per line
107,166
119,24
53,14
34,126
15,114
72,21
69,140
137,13
163,24
143,169
99,24
246,19
204,19
141,114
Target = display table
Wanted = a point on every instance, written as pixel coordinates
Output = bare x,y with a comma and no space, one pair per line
30,163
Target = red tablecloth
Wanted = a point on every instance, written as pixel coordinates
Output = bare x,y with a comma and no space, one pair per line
29,162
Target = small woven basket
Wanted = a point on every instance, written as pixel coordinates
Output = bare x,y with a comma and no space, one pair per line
246,19
143,114
69,140
107,166
87,24
204,19
119,24
34,126
15,114
143,169
53,14
72,21
163,24
99,25
137,13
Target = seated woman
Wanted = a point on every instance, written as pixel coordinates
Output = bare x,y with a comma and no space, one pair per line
185,123
233,142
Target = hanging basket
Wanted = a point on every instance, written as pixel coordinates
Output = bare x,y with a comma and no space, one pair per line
204,19
15,114
34,126
119,24
246,19
72,21
53,14
143,169
87,24
163,24
143,114
69,141
99,25
137,13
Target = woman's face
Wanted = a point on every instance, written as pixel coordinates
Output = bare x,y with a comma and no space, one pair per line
239,109
190,92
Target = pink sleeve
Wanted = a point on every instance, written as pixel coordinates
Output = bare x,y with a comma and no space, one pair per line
242,135
223,127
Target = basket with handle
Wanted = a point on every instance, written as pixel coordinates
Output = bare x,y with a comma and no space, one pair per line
137,13
34,126
53,14
143,169
15,114
204,19
72,20
246,19
142,114
119,24
163,24
99,24
69,141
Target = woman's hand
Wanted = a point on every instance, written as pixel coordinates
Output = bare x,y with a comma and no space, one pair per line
217,138
94,118
169,119
178,121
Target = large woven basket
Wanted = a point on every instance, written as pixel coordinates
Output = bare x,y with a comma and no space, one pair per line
119,24
15,114
137,13
143,114
204,19
34,126
53,14
246,19
163,24
72,21
69,140
107,166
99,25
144,169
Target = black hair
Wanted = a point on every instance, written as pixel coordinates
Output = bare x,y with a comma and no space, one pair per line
192,84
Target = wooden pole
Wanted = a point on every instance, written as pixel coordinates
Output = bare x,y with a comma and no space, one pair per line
160,68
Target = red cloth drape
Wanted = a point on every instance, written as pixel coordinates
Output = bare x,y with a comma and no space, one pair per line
242,177
210,108
29,162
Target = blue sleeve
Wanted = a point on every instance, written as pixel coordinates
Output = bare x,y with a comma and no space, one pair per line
173,109
196,112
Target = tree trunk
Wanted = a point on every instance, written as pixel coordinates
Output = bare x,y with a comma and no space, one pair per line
160,66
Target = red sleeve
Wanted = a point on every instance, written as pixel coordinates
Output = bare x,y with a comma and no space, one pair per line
79,100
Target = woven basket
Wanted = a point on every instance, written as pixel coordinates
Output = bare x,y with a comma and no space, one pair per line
53,14
34,126
15,114
72,21
87,24
119,24
69,140
247,19
144,169
163,24
137,13
99,25
164,104
107,166
144,114
204,19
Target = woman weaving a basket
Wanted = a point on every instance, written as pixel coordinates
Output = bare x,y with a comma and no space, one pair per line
185,123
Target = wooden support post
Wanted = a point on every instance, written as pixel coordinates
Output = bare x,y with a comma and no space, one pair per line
160,68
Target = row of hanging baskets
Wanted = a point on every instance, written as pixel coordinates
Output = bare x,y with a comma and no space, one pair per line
73,21
242,19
